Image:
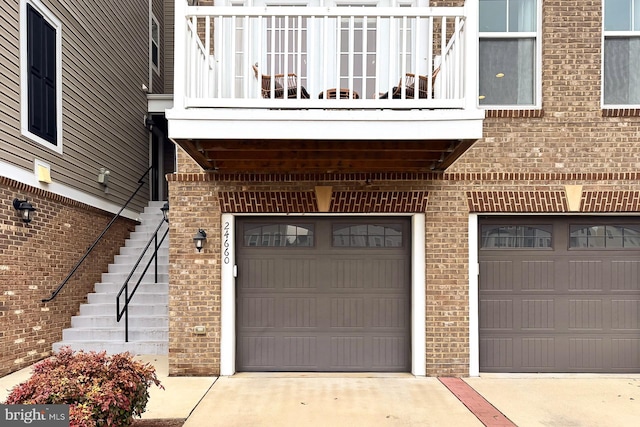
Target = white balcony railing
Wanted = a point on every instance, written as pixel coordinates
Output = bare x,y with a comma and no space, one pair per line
366,50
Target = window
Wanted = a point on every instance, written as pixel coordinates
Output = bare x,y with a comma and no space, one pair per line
621,85
278,235
604,237
516,236
40,73
155,43
509,53
367,235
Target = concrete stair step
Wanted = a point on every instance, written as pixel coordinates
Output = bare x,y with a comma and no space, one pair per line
115,334
163,268
134,309
121,277
145,287
130,259
96,328
140,298
140,244
134,252
148,321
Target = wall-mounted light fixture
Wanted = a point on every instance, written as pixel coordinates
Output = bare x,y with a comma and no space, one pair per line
24,208
165,211
199,239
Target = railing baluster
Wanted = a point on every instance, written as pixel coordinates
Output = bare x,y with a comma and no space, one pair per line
281,39
207,52
125,286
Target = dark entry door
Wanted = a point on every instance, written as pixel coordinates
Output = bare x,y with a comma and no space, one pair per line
323,294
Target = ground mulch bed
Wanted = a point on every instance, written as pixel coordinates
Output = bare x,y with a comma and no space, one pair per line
159,422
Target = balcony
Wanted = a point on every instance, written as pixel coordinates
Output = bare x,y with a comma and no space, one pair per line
325,88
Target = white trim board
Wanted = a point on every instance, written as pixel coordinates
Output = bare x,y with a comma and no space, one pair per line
29,178
418,296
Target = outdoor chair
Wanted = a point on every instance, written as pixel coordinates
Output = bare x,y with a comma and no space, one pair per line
409,82
279,80
339,94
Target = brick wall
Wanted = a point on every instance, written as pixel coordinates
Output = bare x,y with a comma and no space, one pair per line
35,258
521,166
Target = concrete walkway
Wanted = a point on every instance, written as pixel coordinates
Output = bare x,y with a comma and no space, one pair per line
387,400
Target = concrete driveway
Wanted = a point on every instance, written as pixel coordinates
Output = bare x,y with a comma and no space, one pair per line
403,400
339,400
565,400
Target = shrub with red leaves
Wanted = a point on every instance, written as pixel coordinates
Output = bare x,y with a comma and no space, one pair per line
101,390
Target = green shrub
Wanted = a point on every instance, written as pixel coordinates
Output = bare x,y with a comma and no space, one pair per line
101,390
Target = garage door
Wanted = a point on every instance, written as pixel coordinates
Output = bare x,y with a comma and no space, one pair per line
559,294
320,294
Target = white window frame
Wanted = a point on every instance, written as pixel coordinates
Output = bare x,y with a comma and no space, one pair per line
613,34
24,74
537,35
156,43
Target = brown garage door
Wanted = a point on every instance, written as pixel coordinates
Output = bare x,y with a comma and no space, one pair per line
559,294
320,294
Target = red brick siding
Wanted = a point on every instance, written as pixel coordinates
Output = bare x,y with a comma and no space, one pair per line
36,257
521,165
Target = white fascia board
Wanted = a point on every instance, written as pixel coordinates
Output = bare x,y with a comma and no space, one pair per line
27,177
159,103
333,125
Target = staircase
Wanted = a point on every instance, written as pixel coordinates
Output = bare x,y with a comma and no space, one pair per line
96,329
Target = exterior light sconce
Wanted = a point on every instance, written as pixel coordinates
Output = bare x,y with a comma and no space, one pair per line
165,211
24,208
199,239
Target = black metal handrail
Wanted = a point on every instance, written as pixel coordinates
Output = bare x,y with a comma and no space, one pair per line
125,287
55,293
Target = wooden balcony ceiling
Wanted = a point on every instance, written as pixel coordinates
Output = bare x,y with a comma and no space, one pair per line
277,156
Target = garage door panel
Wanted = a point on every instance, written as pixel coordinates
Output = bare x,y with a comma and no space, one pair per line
537,275
259,312
538,353
258,351
347,312
347,353
496,275
625,353
585,275
625,315
299,312
496,352
496,314
586,354
586,314
569,309
388,313
537,314
389,352
300,351
273,273
625,275
321,307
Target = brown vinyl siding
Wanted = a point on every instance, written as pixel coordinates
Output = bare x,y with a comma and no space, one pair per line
168,45
104,64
